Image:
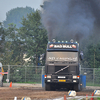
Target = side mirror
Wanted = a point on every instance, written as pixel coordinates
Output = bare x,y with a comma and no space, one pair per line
81,55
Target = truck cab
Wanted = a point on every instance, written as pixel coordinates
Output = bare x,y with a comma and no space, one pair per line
62,67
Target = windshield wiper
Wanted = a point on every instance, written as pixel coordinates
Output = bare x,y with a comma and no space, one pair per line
61,69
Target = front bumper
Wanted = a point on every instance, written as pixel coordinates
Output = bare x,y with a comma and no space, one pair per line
63,79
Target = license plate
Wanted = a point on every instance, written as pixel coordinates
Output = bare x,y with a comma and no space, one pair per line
62,80
61,77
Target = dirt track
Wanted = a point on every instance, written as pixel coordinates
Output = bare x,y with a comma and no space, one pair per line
36,92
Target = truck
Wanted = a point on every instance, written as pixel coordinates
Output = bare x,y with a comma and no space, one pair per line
62,66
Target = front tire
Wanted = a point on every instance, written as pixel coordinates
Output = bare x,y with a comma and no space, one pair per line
77,87
47,87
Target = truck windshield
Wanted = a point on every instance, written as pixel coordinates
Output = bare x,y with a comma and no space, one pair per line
62,56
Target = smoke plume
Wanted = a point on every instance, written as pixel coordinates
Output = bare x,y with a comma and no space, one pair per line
71,19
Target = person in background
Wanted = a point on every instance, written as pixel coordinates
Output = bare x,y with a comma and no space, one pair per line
0,67
1,75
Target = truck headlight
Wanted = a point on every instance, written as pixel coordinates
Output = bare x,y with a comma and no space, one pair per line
74,77
74,81
48,80
48,76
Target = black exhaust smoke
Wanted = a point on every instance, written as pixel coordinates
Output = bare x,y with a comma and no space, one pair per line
67,19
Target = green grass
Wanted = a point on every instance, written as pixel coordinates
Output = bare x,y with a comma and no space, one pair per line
26,82
98,98
91,84
29,82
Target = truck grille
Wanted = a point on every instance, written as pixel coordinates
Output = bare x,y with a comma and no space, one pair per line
69,70
57,68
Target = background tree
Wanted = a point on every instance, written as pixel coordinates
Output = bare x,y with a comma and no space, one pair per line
15,15
92,58
14,47
2,41
35,37
31,39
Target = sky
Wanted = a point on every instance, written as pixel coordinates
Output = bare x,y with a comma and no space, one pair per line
7,5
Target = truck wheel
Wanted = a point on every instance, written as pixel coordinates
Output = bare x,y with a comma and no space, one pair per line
47,87
77,87
52,87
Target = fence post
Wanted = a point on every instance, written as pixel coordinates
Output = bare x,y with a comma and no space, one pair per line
80,69
25,74
42,77
42,70
8,75
93,75
41,73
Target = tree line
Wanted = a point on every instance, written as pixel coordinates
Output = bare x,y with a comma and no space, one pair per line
28,41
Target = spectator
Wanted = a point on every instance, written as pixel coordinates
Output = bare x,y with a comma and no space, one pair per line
0,67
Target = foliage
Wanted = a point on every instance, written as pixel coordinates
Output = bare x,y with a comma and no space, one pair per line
35,37
13,53
31,39
2,41
25,74
15,15
98,98
91,57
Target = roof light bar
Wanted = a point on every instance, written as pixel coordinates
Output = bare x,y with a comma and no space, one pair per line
66,41
58,41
